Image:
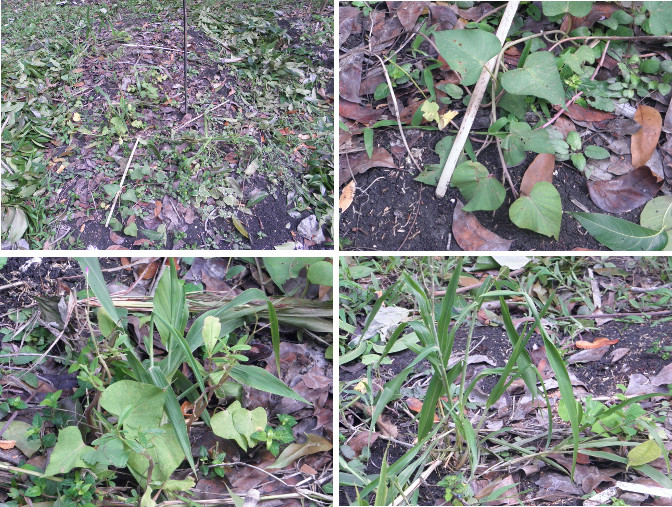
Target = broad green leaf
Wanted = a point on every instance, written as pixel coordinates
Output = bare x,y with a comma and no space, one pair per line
313,444
596,152
478,186
258,378
111,451
17,431
282,269
578,9
321,273
539,77
467,51
146,402
18,223
657,215
165,451
619,234
238,423
575,58
644,453
131,229
541,211
211,329
522,138
67,453
659,21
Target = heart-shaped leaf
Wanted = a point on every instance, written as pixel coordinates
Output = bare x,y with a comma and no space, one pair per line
478,186
578,9
541,211
619,234
538,77
657,215
467,51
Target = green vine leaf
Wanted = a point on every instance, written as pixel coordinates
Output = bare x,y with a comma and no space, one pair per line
540,212
538,77
467,51
478,186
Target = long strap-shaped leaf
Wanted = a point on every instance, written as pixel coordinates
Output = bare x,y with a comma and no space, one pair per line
174,412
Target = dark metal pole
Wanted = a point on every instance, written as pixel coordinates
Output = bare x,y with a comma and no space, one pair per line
184,18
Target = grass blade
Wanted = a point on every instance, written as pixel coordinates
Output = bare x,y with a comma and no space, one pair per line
259,378
95,279
275,334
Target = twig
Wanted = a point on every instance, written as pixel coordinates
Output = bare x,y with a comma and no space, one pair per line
252,498
474,103
410,229
636,289
490,13
11,285
153,47
474,286
600,37
396,112
416,483
121,185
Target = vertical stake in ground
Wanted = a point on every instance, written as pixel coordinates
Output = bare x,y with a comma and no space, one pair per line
474,103
184,24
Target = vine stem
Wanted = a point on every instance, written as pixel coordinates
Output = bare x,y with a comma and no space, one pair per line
475,102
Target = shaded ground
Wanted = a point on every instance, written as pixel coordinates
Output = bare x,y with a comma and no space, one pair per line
636,355
247,163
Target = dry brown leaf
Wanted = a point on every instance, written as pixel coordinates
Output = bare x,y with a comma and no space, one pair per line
578,113
351,164
350,73
361,440
472,236
414,404
365,115
313,444
626,192
644,142
350,21
116,239
541,169
347,196
595,344
409,12
564,125
600,10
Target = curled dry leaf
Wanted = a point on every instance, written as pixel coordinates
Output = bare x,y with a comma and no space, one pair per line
347,196
595,344
626,192
313,444
362,439
350,165
472,236
644,142
541,169
365,115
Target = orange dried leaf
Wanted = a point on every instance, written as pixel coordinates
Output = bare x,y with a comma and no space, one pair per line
414,404
643,143
596,344
7,444
347,196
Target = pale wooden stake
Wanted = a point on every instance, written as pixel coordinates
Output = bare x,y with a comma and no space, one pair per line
121,185
474,103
